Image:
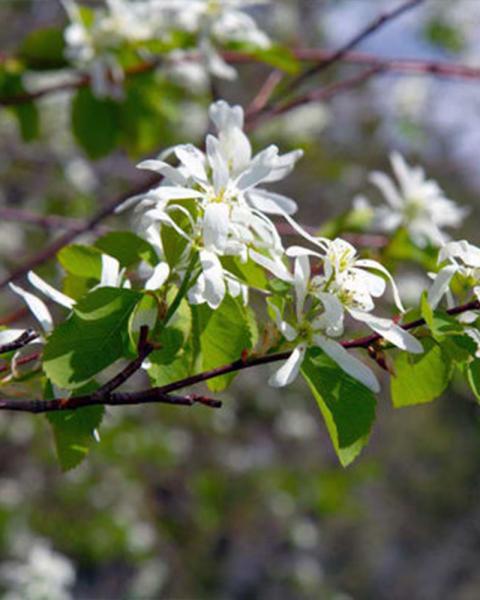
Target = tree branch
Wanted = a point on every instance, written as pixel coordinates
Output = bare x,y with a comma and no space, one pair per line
163,395
336,56
25,338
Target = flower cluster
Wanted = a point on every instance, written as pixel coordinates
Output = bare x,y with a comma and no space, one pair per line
215,206
416,203
94,39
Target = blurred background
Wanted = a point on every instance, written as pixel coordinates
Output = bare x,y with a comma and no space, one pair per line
250,501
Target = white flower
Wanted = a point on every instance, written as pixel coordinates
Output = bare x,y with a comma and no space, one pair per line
351,280
230,211
416,203
216,22
315,331
463,258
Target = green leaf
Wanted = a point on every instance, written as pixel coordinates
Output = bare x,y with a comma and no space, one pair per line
401,247
11,86
347,406
473,377
94,336
82,261
275,55
223,333
127,248
74,433
445,35
163,372
28,119
95,123
248,272
420,378
43,49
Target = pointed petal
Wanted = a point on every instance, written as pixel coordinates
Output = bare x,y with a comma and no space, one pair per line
390,331
110,271
159,276
373,264
289,370
349,363
440,285
49,291
271,203
215,226
214,279
193,159
37,307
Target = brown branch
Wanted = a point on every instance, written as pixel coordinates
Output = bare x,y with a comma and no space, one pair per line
316,95
144,349
318,56
336,56
25,338
263,96
241,364
117,399
72,234
163,394
47,222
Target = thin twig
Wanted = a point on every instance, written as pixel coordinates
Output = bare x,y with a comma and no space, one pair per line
337,56
263,96
162,394
72,234
317,95
48,222
25,338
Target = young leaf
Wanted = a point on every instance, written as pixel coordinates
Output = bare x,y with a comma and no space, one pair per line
420,378
347,406
223,334
95,123
127,248
43,49
82,261
94,336
74,433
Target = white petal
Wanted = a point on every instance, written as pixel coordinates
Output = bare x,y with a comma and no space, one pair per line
440,285
159,276
214,279
389,330
49,291
167,192
218,164
289,370
301,280
349,363
10,335
373,264
276,267
36,306
193,159
283,165
388,189
110,271
215,226
270,203
169,172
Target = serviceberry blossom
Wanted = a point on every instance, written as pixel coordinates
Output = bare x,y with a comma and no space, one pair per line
346,285
225,211
216,23
461,258
314,327
93,46
416,203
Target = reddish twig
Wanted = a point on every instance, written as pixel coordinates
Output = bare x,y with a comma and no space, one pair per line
49,222
162,394
316,95
72,234
336,56
263,96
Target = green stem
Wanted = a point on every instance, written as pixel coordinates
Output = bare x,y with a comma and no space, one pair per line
182,290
